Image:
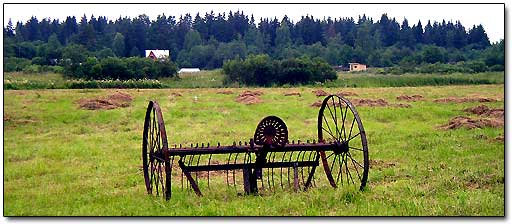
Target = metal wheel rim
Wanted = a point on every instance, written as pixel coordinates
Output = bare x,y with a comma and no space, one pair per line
359,168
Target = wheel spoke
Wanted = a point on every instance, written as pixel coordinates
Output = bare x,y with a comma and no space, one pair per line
333,162
355,167
340,171
327,123
346,167
356,148
329,155
352,126
343,124
329,132
353,136
355,160
335,118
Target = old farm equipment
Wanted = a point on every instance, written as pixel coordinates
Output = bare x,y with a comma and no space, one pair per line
267,161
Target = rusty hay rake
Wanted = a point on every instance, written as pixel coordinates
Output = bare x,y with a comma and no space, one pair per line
268,161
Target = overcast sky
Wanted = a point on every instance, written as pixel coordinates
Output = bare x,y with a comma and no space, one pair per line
491,16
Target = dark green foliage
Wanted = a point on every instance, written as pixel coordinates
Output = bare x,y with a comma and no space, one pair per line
121,68
261,70
12,64
210,40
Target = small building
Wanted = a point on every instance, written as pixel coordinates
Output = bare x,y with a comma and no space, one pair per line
188,70
354,67
157,54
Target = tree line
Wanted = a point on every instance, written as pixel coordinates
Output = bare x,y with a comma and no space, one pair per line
210,40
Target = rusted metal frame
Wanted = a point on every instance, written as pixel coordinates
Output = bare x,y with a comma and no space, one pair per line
244,149
311,173
216,167
190,178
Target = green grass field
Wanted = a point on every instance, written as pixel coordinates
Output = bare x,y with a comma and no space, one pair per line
60,160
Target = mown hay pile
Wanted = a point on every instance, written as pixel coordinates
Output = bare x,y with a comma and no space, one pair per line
470,123
292,94
377,103
347,93
464,100
484,110
320,92
225,92
412,98
249,97
116,100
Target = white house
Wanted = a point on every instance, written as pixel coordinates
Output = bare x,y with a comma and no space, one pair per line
157,54
188,70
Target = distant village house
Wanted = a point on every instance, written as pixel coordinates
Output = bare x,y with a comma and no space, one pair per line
354,67
157,54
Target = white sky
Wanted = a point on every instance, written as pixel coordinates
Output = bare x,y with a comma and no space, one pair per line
491,16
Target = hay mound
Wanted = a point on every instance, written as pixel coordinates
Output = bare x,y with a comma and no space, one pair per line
484,110
292,94
412,98
370,102
464,100
347,93
250,93
225,92
248,99
176,94
112,101
320,92
317,104
469,123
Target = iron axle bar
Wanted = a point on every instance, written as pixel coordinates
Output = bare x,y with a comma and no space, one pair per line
244,149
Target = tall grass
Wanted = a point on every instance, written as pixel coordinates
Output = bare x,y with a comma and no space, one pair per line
214,79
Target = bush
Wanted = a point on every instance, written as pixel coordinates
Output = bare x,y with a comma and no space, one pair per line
13,64
121,68
260,70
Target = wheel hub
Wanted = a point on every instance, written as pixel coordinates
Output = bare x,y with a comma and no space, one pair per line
340,147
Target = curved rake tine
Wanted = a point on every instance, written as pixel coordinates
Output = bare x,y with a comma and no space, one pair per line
234,175
197,164
302,169
289,160
282,160
273,160
208,172
268,171
182,187
227,171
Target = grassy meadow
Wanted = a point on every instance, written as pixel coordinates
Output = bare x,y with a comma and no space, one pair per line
60,160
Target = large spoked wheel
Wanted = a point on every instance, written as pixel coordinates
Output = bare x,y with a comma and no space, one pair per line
155,158
339,123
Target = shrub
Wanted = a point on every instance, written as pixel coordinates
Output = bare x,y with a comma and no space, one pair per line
260,70
13,64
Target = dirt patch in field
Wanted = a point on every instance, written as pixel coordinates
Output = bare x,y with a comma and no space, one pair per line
484,110
379,164
176,94
465,100
470,123
225,92
292,94
320,92
412,98
347,93
319,103
113,101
